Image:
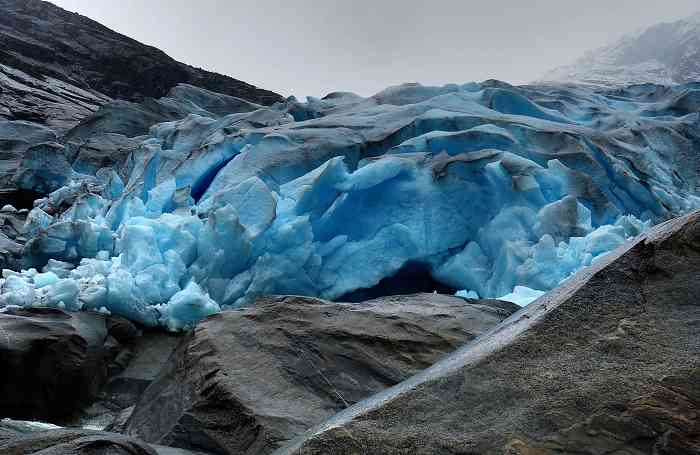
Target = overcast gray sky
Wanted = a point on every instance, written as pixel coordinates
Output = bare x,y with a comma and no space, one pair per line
313,47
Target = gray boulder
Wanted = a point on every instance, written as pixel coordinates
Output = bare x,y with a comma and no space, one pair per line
246,381
44,100
606,364
25,438
73,442
52,362
55,364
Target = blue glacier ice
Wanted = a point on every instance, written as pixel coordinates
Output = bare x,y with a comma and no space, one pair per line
522,295
493,190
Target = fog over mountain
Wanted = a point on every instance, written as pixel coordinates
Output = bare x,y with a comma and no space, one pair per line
667,53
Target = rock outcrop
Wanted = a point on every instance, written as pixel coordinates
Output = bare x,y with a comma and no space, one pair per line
73,442
12,223
27,438
55,364
606,363
246,381
44,100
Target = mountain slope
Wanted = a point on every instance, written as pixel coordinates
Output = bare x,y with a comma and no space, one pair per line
42,39
45,100
664,54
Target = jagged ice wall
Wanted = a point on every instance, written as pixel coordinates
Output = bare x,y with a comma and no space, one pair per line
489,189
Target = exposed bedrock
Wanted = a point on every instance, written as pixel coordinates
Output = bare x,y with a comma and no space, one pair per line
56,364
30,438
246,381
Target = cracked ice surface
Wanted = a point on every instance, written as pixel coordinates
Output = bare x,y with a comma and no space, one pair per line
497,190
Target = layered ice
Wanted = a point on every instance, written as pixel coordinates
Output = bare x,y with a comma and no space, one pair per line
491,189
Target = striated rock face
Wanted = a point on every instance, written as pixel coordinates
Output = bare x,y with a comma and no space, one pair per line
11,230
45,100
665,420
42,39
606,363
246,381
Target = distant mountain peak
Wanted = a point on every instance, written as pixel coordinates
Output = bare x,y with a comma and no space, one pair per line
666,53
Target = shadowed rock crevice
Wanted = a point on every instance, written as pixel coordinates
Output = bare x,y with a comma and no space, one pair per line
413,278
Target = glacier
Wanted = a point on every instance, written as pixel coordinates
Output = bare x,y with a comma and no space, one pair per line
488,189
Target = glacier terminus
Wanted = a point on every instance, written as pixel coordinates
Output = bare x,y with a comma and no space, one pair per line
484,189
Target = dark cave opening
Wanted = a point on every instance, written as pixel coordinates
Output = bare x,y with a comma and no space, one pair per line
413,278
19,199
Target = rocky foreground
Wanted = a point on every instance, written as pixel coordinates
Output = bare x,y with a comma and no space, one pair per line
607,363
243,382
